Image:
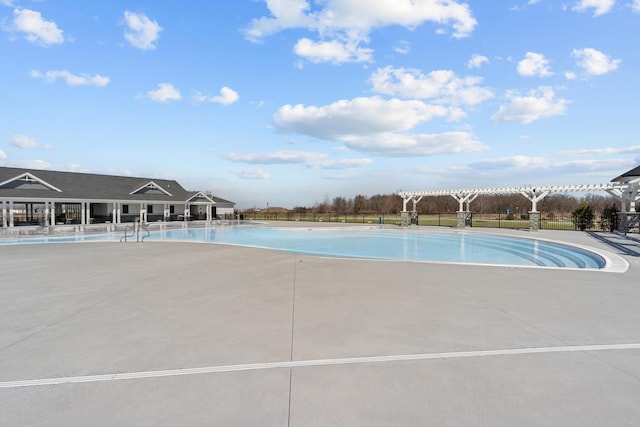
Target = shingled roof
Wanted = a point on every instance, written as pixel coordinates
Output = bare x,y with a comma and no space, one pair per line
628,176
56,185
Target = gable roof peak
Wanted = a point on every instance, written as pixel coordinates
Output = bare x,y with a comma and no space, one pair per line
29,178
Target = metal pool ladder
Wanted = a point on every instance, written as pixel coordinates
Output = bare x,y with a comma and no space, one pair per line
135,231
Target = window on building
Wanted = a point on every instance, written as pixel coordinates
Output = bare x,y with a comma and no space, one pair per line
171,209
150,209
125,209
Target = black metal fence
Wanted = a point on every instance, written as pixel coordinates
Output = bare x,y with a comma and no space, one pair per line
548,221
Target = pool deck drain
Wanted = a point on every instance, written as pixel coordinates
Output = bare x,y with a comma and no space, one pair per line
203,336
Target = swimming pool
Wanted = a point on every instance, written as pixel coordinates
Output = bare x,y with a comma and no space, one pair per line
392,244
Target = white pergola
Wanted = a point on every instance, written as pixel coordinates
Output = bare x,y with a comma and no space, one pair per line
625,192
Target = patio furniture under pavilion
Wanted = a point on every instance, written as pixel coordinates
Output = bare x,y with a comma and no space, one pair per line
624,188
58,199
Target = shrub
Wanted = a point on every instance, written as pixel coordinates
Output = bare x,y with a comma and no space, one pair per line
583,217
609,218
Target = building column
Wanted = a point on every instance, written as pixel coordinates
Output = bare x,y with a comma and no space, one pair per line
186,211
143,212
4,214
209,212
47,212
167,212
11,221
118,213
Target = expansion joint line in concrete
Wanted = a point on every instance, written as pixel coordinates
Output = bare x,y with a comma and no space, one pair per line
293,323
318,362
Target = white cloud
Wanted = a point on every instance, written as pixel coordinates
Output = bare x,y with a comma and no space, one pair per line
143,33
603,151
537,104
71,79
477,60
570,75
165,92
408,145
595,62
227,96
376,126
278,157
359,116
253,173
32,164
404,47
37,30
635,6
515,162
343,24
340,164
443,86
310,159
600,6
534,64
3,156
23,141
361,16
551,166
332,51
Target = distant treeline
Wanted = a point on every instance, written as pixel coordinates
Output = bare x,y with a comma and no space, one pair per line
489,203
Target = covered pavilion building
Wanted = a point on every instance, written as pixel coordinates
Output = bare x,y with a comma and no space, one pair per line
31,197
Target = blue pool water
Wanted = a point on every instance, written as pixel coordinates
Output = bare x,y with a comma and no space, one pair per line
383,244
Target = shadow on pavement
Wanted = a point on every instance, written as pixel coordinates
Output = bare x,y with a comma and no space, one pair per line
627,245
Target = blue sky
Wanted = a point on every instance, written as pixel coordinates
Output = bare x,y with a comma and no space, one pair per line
293,102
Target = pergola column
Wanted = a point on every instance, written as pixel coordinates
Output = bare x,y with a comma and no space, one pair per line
633,197
620,196
407,218
11,219
534,215
462,215
167,212
186,211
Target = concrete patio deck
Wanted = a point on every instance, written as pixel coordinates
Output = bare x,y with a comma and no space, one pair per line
196,334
